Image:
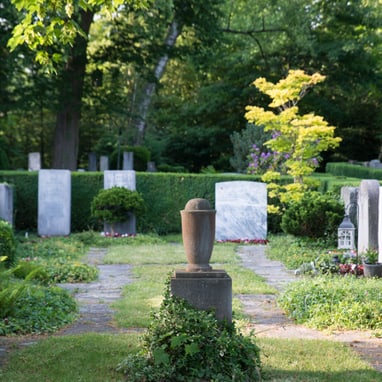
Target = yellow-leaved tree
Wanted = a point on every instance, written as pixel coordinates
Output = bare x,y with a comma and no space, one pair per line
298,138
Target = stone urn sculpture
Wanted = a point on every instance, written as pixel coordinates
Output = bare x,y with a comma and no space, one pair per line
198,233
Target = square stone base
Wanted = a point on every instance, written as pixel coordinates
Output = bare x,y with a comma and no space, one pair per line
205,290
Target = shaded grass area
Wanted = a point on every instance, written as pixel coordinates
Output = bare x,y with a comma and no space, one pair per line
152,265
94,357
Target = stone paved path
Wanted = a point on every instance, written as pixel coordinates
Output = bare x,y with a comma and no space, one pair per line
270,321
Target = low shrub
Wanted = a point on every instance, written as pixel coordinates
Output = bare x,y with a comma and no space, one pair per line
39,309
335,302
316,215
185,344
7,243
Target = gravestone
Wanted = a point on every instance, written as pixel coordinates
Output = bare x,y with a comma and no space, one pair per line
92,162
34,161
241,210
120,178
349,195
104,163
6,203
380,226
128,160
54,202
375,163
151,167
368,215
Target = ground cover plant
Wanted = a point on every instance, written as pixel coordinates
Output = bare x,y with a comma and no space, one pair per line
327,295
186,344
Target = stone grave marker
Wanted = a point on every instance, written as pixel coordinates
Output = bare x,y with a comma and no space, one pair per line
121,178
92,162
104,163
241,210
54,202
128,160
368,215
349,195
34,161
6,203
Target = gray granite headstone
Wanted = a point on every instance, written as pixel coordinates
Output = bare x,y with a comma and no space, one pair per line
151,167
104,163
375,163
368,215
241,210
380,226
349,195
127,179
34,161
92,162
6,203
128,160
54,202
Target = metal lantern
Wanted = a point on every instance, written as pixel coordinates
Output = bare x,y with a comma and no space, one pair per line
346,233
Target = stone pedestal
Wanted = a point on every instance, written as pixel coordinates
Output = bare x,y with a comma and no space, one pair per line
205,290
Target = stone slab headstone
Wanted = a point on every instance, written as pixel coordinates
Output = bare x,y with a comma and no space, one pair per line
368,200
119,178
241,210
6,203
128,160
151,167
104,163
380,226
375,163
349,195
54,202
92,162
34,161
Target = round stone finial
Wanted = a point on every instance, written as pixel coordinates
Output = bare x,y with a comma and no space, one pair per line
197,204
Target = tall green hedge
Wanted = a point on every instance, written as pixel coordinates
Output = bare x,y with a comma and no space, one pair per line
353,170
165,194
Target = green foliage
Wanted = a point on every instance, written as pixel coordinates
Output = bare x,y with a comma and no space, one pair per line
316,215
354,171
335,302
67,271
7,243
370,256
185,344
39,309
113,205
32,271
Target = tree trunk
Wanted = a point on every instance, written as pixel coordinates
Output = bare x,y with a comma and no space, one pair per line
148,92
66,137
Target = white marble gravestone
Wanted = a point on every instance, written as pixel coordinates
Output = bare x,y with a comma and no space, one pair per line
54,202
127,179
34,161
241,210
6,203
368,215
119,178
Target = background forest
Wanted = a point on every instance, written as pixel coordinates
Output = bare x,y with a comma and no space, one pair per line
175,76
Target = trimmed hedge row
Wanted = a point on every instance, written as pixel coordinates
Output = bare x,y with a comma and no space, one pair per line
353,171
165,194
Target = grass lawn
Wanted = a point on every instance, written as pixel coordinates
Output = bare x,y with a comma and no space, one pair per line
94,358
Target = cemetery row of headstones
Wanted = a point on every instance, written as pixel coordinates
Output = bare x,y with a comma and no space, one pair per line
34,162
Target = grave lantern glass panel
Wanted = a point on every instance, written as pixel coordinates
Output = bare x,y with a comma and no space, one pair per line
346,233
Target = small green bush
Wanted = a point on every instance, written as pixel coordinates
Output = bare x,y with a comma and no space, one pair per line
316,215
186,344
113,205
7,243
